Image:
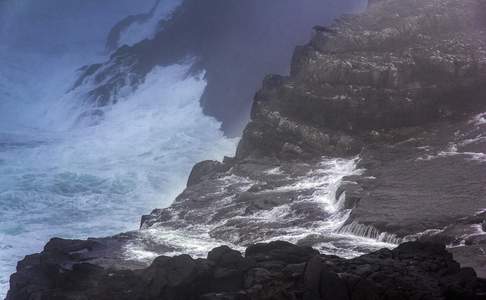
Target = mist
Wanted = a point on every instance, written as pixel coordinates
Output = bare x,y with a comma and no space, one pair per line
236,43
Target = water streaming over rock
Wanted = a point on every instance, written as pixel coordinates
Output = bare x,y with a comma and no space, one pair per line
72,169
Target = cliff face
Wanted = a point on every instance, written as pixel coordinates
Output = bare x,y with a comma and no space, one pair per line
402,85
391,68
377,133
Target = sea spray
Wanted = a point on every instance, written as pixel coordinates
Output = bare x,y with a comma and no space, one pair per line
98,180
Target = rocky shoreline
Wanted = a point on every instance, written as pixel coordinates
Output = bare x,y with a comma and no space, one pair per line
378,133
276,270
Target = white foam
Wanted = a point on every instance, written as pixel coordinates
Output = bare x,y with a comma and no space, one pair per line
63,178
324,180
98,180
453,150
274,171
479,119
194,241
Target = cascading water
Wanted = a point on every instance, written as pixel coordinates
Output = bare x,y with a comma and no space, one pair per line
62,177
314,217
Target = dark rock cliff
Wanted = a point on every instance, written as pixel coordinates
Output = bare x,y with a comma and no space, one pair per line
391,68
378,133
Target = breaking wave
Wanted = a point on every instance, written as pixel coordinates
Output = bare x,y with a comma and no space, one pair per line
95,176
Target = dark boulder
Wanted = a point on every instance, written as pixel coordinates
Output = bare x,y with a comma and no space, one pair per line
280,251
176,278
204,170
277,270
322,283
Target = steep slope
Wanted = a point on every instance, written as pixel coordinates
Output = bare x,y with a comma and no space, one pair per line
375,138
402,86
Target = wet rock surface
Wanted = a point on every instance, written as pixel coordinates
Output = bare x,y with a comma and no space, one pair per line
376,138
277,270
417,181
402,86
391,67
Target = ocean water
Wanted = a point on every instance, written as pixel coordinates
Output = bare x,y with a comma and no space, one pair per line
62,177
98,180
74,178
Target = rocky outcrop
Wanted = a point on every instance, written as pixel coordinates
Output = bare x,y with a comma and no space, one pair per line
402,89
392,67
375,138
277,270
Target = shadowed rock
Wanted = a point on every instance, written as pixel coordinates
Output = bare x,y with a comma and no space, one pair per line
277,270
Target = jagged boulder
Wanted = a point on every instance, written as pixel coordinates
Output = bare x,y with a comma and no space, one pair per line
277,270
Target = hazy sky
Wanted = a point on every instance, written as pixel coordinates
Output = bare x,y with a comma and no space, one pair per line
57,24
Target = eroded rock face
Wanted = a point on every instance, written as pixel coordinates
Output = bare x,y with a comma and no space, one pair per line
247,202
394,66
402,87
277,270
